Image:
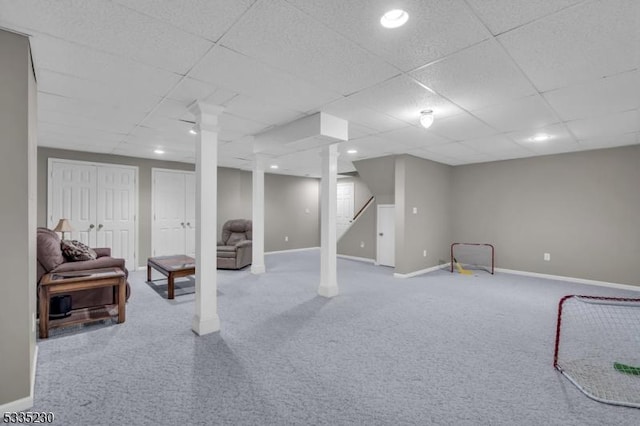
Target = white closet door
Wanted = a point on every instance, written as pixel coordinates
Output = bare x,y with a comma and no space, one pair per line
169,221
190,214
72,196
115,216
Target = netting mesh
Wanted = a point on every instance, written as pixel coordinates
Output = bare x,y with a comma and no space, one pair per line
472,256
598,347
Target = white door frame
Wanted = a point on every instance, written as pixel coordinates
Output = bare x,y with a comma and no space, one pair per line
136,201
379,207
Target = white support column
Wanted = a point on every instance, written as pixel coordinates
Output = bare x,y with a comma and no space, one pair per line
257,262
206,318
328,205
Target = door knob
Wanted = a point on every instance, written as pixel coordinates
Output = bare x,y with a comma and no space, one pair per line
100,226
188,224
92,226
381,234
182,224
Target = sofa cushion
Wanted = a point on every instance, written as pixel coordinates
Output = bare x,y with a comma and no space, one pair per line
226,254
235,238
49,251
228,249
99,263
74,251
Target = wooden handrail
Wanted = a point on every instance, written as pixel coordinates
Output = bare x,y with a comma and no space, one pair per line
363,207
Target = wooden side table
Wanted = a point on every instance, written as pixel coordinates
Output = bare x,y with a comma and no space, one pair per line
63,282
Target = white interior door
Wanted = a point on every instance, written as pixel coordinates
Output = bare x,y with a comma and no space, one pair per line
345,208
115,216
72,196
169,221
386,238
190,213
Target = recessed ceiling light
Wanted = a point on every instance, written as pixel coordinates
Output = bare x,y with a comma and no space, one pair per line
274,166
426,118
352,151
193,132
394,18
158,151
541,137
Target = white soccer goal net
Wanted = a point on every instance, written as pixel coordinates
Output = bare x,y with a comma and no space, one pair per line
598,347
472,257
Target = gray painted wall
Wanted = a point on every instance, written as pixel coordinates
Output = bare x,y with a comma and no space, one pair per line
426,186
582,208
17,185
379,176
286,199
292,209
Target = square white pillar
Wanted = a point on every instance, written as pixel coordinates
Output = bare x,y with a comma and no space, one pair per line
206,318
257,261
328,206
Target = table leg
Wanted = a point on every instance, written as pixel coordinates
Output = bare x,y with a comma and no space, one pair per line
44,312
170,284
122,299
148,272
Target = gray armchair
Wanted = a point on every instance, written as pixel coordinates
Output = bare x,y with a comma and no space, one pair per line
235,249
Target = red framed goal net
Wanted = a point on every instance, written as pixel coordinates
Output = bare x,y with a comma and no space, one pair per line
598,347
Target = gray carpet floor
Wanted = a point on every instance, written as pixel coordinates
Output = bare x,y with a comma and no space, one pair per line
441,349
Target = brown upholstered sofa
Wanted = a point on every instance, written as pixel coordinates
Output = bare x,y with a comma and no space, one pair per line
50,259
235,247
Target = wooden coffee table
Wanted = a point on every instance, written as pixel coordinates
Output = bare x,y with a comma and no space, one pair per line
63,282
172,267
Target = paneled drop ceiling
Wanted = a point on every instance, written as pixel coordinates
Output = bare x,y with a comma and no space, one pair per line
116,76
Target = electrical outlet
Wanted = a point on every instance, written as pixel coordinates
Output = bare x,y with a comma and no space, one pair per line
361,244
424,253
415,210
547,257
286,238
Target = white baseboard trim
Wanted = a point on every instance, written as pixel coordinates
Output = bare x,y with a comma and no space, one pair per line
356,258
422,271
25,403
291,250
569,279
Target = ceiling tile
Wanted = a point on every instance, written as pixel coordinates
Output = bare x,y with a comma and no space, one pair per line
225,68
558,134
607,125
596,98
404,99
109,27
90,64
78,133
435,28
191,89
206,18
503,15
252,109
355,113
306,49
496,144
87,109
611,141
460,127
118,125
414,137
578,44
116,97
529,112
479,76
